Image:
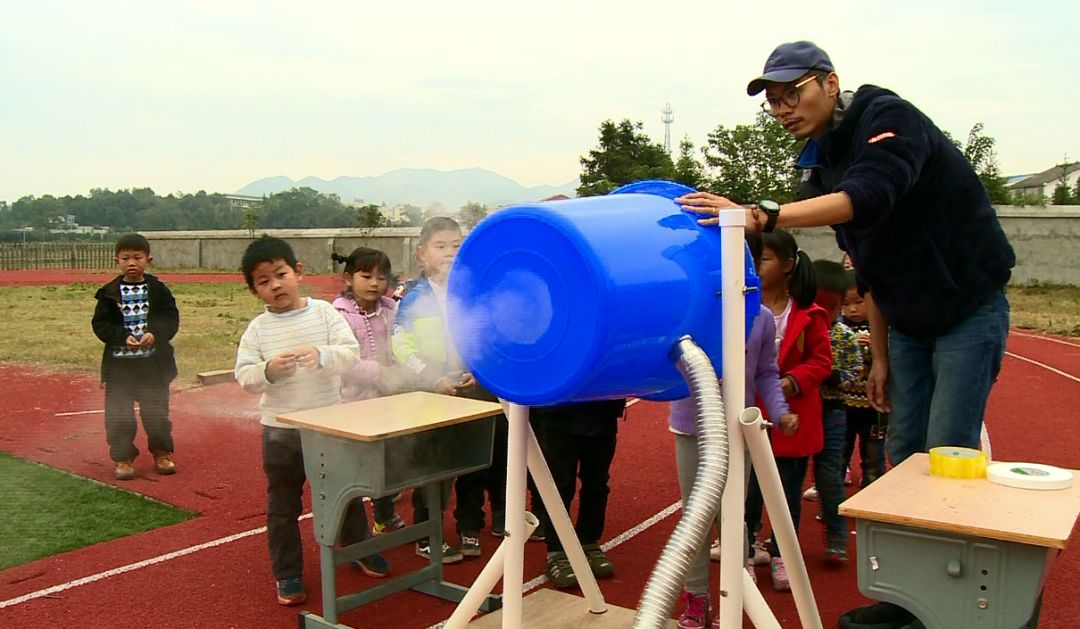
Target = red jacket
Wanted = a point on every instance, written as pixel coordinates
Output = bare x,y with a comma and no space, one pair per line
805,355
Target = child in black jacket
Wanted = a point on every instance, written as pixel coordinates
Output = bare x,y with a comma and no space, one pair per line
136,318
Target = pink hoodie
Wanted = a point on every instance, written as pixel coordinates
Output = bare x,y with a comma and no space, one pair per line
365,381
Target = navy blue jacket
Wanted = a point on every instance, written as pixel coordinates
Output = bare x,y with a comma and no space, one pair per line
923,236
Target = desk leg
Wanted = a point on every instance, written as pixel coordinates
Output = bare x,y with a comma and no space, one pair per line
329,583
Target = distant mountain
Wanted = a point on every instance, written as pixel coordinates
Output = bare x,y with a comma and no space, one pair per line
419,186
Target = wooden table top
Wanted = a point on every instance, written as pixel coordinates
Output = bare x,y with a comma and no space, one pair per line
391,416
909,495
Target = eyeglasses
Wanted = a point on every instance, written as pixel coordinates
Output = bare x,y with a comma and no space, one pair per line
789,97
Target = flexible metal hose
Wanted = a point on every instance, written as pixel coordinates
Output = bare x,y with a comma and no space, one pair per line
703,502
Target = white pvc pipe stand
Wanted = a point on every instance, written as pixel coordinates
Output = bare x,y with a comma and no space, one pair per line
732,225
769,478
523,455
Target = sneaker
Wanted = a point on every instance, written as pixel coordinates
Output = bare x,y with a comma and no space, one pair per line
751,569
848,480
164,464
696,615
714,550
540,533
290,591
780,580
395,523
811,494
449,553
559,571
601,566
124,470
498,525
761,554
374,566
836,550
470,544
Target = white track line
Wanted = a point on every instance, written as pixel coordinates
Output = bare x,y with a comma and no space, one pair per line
1044,366
78,413
622,538
1045,338
134,566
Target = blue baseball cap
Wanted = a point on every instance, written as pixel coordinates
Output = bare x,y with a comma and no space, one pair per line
788,62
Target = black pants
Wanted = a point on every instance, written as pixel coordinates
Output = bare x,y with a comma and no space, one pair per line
792,474
469,488
869,427
383,508
572,456
283,464
130,381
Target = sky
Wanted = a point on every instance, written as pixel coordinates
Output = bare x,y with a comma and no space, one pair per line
211,95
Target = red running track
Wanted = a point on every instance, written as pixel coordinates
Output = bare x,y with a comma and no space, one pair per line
213,571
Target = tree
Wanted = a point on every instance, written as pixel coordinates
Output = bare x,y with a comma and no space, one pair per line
433,209
1062,192
981,154
414,215
369,215
624,154
251,221
688,169
753,162
472,213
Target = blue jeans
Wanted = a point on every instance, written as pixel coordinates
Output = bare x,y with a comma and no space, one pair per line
938,386
829,474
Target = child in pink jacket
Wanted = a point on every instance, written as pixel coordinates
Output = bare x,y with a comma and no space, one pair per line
370,314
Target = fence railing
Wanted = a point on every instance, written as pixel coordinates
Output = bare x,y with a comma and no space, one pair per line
55,255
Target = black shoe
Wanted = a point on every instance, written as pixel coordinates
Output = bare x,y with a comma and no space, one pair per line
540,533
470,544
498,524
600,565
877,616
449,553
559,571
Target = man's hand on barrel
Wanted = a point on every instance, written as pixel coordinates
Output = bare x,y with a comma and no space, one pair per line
709,205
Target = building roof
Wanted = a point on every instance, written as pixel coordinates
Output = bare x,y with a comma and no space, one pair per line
1049,175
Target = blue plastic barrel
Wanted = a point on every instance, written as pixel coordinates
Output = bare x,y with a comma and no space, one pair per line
583,299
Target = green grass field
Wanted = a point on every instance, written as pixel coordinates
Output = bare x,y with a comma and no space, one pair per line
46,511
50,326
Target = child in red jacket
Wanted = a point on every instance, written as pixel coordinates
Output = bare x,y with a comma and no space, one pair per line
804,356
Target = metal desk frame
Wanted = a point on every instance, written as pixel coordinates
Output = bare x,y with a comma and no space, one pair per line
341,469
959,554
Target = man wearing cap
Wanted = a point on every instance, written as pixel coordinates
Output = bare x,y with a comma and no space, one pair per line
918,225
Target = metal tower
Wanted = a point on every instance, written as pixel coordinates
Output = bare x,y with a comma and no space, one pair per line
667,117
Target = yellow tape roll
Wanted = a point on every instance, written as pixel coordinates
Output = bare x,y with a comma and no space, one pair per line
956,462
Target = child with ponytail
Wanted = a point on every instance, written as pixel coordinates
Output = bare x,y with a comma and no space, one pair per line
804,356
370,314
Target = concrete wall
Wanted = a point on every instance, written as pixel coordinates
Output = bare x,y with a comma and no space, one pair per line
223,249
1046,240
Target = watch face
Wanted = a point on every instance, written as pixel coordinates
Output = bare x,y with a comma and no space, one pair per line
769,206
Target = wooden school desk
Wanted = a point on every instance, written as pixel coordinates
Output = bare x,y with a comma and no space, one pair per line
959,554
377,448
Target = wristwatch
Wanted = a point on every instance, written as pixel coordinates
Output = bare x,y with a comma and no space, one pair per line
772,212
